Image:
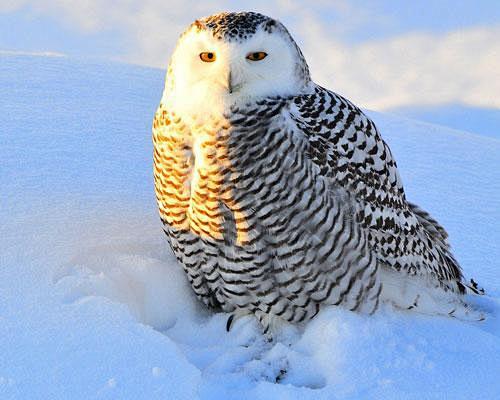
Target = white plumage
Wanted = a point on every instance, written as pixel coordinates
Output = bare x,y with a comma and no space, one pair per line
279,196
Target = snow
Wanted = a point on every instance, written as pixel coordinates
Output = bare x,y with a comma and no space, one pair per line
94,306
484,121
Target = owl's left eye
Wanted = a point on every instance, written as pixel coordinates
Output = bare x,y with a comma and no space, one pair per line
256,56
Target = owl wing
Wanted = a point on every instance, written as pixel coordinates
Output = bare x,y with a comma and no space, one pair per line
347,148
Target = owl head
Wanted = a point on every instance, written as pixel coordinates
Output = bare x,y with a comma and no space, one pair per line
233,58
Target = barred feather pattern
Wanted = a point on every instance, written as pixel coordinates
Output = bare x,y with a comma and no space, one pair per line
349,150
253,220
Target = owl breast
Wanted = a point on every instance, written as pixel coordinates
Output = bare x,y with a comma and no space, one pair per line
254,224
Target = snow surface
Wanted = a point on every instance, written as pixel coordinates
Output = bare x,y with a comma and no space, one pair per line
484,121
93,305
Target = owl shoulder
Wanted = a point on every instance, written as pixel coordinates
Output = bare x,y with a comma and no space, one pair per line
343,141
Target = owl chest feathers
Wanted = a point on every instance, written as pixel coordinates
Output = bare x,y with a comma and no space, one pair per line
211,177
210,182
257,221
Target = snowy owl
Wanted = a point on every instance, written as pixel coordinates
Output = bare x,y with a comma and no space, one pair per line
279,196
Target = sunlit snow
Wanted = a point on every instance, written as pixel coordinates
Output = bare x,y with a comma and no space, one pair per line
93,304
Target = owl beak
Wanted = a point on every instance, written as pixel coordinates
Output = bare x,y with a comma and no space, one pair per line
229,83
232,84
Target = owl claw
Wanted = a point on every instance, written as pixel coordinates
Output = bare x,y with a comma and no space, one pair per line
229,322
264,324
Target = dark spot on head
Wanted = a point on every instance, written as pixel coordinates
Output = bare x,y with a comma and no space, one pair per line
237,26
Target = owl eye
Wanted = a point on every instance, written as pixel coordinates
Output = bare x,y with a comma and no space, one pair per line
207,56
256,56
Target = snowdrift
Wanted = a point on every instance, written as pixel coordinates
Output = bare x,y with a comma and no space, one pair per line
93,305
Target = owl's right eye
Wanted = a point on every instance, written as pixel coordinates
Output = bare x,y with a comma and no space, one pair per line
207,56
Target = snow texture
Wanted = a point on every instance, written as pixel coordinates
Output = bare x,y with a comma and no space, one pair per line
94,306
485,121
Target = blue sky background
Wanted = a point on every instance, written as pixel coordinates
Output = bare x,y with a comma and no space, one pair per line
384,54
23,27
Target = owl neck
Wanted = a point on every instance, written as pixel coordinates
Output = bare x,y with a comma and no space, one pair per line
202,109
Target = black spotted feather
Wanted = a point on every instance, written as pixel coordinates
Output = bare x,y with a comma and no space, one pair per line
349,150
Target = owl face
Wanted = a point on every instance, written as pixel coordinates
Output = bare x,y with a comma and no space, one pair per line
210,72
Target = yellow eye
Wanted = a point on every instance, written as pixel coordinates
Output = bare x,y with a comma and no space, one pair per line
257,56
207,56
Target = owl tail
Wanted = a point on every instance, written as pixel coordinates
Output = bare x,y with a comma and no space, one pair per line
472,288
417,294
439,237
459,284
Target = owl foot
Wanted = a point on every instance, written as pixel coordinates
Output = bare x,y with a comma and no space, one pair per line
264,322
233,317
229,322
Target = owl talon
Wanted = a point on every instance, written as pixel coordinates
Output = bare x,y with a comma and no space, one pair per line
229,322
265,321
